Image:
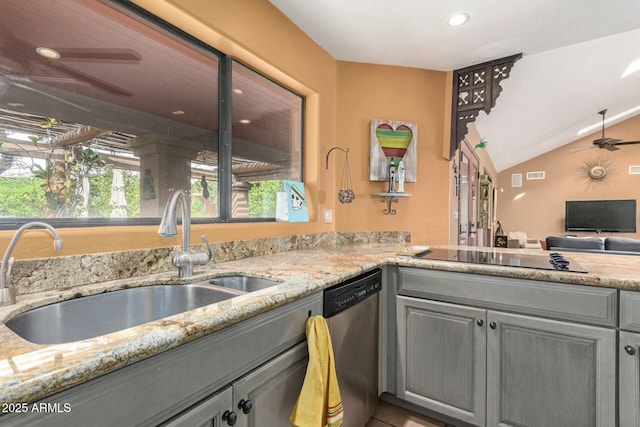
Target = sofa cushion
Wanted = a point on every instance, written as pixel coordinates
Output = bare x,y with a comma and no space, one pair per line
622,244
575,242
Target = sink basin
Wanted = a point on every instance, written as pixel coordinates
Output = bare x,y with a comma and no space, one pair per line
96,315
243,283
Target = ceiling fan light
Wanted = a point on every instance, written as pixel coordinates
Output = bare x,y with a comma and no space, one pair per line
632,68
458,19
48,53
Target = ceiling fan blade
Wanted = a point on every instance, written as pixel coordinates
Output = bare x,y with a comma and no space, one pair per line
99,55
94,81
602,141
25,86
582,149
610,147
627,142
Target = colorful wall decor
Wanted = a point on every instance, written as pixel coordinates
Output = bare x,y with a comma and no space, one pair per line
297,201
392,141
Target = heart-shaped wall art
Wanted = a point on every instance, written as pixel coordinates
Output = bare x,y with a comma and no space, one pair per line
394,142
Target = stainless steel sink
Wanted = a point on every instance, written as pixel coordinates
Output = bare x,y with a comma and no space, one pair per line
243,283
97,315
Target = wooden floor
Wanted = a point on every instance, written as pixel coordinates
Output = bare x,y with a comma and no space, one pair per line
389,415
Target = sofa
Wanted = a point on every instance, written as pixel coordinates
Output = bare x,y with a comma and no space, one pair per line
608,245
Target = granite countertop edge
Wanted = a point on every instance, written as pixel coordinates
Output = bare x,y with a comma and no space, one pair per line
29,372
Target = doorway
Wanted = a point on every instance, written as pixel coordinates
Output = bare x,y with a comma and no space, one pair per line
468,196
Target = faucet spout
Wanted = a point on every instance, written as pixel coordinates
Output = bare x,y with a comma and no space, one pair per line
7,291
169,228
169,224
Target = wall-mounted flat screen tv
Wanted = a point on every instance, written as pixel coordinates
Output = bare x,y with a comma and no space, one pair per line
601,215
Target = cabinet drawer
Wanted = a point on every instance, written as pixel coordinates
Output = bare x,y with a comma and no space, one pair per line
630,311
576,303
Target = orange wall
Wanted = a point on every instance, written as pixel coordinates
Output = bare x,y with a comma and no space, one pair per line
340,97
540,210
367,92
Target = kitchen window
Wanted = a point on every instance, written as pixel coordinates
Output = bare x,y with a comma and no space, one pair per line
105,111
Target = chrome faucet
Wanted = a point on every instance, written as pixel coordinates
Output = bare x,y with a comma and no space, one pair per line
7,290
169,228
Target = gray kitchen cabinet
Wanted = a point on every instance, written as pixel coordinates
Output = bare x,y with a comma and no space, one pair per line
442,358
269,393
544,372
263,397
629,379
523,353
208,413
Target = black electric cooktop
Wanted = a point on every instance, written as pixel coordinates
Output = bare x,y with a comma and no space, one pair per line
552,261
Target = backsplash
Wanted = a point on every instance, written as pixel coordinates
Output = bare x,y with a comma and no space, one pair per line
42,274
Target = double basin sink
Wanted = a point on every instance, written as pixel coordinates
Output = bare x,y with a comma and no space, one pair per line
96,315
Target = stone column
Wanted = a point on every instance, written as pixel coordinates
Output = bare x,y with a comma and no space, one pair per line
165,166
240,199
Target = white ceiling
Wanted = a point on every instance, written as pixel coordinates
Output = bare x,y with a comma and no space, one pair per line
574,52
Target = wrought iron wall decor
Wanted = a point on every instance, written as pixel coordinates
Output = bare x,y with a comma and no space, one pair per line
476,88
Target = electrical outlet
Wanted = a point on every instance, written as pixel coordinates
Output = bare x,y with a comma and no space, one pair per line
328,216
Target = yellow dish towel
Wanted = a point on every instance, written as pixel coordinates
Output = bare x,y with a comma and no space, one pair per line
319,403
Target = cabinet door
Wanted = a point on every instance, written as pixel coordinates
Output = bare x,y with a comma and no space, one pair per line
269,393
549,373
442,358
629,371
207,413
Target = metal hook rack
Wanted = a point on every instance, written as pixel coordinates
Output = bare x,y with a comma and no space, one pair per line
345,150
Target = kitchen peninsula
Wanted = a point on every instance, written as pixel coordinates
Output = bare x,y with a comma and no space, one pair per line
29,372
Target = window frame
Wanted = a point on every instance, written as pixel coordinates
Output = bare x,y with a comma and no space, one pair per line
224,142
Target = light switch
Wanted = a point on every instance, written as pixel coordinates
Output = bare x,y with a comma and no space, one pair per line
328,215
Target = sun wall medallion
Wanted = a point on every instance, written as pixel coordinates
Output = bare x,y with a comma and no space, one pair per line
597,171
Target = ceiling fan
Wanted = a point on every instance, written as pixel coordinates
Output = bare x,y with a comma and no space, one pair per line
610,144
92,55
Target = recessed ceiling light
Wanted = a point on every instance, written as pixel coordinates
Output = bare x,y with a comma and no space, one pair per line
458,19
632,68
15,104
47,52
245,121
238,91
177,112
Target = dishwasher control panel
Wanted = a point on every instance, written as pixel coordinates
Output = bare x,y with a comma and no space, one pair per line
346,294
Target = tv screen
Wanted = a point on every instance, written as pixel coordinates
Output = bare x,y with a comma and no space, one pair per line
601,215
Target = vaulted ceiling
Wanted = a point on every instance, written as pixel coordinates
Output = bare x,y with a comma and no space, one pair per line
574,52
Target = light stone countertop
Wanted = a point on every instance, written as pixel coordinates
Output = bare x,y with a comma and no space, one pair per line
29,371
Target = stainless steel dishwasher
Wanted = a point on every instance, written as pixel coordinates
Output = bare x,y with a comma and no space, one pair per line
351,310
